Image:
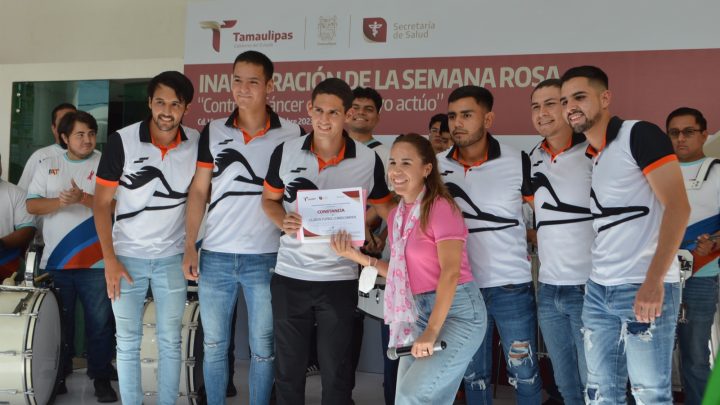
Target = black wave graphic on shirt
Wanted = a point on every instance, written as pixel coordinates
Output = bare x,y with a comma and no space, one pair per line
226,158
299,183
637,211
145,175
539,180
479,215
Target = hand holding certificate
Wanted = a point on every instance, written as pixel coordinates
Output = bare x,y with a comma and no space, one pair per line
326,212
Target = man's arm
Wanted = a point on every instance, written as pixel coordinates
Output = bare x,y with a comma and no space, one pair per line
19,238
196,202
102,213
383,208
43,206
288,222
668,185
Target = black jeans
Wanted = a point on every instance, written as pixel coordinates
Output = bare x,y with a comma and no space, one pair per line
297,305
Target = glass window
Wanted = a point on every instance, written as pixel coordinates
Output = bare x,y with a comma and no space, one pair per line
114,104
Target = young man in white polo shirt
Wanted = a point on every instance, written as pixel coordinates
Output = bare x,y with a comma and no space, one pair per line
311,283
240,244
61,192
641,210
561,188
488,181
16,227
47,151
687,129
147,167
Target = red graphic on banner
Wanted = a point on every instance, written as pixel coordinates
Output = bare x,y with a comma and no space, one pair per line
375,29
216,27
645,85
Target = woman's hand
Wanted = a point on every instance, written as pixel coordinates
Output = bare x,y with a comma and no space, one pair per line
341,243
423,346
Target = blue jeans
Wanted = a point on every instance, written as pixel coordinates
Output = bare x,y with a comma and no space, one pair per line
560,318
616,345
435,379
89,285
165,277
512,307
221,274
700,297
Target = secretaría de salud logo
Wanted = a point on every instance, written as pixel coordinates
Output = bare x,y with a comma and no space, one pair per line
375,29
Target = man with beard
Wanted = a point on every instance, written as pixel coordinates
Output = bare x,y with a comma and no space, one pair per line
488,181
640,211
147,167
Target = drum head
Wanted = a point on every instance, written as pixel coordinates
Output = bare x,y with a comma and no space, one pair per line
45,348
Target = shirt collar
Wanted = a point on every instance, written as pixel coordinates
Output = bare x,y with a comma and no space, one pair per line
274,118
575,139
349,146
611,133
145,132
493,152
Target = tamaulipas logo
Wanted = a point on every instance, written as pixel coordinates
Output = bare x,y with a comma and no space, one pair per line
216,27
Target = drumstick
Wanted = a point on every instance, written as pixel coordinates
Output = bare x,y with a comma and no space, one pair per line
41,277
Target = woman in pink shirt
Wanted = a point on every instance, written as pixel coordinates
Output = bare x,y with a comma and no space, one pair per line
430,294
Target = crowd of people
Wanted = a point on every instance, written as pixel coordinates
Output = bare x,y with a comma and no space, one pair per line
613,201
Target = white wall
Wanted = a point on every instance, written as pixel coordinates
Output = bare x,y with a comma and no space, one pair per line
42,40
46,40
117,69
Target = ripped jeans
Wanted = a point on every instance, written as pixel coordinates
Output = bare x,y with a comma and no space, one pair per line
617,346
221,274
512,308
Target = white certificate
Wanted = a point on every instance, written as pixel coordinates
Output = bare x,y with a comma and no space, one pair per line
326,212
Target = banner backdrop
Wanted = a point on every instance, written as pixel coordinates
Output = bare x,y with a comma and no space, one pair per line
415,56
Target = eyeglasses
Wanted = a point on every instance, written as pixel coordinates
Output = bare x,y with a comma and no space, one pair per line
687,132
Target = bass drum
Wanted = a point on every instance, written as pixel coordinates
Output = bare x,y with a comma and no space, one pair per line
30,346
190,349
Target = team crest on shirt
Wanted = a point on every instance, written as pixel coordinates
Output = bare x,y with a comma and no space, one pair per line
53,172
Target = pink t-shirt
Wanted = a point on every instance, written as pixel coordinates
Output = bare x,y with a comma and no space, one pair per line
421,255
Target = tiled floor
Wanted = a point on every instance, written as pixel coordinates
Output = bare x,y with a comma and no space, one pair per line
368,390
